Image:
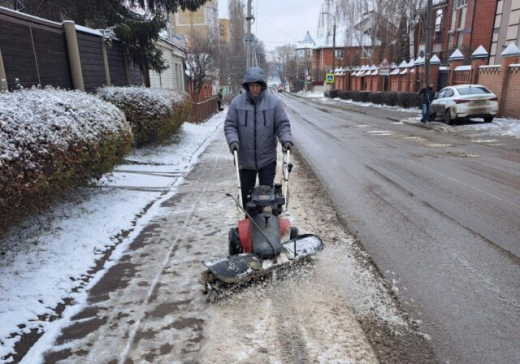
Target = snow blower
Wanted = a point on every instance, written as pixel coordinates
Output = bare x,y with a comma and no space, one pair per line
264,241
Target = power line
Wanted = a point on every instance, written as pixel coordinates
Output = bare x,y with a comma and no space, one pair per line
279,29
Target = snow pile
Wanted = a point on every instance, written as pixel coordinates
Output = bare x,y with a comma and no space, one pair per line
53,140
311,94
155,115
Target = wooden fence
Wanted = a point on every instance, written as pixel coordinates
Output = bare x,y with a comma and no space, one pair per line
202,111
35,52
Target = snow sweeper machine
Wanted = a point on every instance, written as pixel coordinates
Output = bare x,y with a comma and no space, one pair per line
264,241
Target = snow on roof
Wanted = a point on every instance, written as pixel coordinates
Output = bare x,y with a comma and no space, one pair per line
444,68
491,66
308,39
511,51
480,52
395,72
393,65
456,55
514,65
373,67
463,68
404,72
411,63
374,73
403,64
344,38
435,60
83,29
419,61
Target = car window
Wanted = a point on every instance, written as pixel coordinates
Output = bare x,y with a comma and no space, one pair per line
449,93
441,94
473,90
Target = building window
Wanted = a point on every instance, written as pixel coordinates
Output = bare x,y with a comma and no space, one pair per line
339,53
461,3
438,20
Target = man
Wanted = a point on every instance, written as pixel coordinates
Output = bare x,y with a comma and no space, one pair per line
219,100
427,97
254,121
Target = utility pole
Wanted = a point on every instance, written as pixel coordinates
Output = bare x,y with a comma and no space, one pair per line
249,19
334,45
428,50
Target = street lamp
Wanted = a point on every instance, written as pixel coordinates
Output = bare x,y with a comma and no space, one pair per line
333,40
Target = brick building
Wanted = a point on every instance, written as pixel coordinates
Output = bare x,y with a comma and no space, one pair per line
506,28
204,19
353,48
458,24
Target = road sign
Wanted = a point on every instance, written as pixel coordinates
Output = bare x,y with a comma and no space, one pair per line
384,68
330,78
253,40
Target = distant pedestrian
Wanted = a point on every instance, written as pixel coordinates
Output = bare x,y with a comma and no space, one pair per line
254,124
428,94
219,100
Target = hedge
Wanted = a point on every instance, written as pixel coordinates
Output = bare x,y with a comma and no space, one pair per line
154,115
391,98
52,141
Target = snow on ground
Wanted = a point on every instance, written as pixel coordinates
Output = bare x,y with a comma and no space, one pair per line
479,131
48,260
311,94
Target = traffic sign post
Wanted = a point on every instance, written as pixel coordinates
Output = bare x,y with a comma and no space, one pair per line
329,79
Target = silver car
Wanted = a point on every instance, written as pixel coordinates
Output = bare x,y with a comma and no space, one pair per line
464,101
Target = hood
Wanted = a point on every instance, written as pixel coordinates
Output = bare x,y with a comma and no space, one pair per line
254,75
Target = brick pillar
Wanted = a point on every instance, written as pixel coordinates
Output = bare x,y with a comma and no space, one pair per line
346,86
511,55
455,60
435,65
478,58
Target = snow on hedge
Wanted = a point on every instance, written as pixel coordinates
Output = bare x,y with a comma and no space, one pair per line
154,114
31,121
51,141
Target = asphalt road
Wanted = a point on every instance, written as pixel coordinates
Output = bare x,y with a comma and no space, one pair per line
438,213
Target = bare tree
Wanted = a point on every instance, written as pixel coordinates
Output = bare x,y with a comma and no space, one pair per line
282,61
236,52
202,56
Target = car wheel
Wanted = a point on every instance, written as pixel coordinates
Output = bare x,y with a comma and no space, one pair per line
432,116
447,117
234,245
488,119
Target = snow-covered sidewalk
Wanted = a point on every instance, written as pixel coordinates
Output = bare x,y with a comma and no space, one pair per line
49,260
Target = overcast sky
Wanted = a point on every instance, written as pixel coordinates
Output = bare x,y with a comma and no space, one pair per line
280,21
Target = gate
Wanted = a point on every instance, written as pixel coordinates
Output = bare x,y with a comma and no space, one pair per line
443,79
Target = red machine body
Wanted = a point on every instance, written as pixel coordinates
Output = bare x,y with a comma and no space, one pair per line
244,232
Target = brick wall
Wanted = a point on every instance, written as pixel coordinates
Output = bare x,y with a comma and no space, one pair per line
482,28
461,77
512,104
491,77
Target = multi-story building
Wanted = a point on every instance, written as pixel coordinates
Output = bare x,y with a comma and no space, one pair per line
458,24
204,19
506,28
223,30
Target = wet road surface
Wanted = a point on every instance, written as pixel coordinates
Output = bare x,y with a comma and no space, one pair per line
439,214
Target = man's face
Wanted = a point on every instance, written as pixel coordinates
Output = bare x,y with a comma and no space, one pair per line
430,85
255,89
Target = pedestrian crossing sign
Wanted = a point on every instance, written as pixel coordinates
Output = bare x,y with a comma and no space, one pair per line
329,78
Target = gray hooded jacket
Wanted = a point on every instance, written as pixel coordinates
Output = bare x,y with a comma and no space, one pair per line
255,123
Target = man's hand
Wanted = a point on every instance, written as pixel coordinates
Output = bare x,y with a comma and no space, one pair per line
233,147
286,146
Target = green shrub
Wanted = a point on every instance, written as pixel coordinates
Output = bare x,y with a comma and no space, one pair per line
52,141
155,115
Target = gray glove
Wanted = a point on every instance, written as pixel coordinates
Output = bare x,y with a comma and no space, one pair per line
233,146
286,146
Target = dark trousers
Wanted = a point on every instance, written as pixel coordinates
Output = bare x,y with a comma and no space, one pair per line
248,179
219,105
